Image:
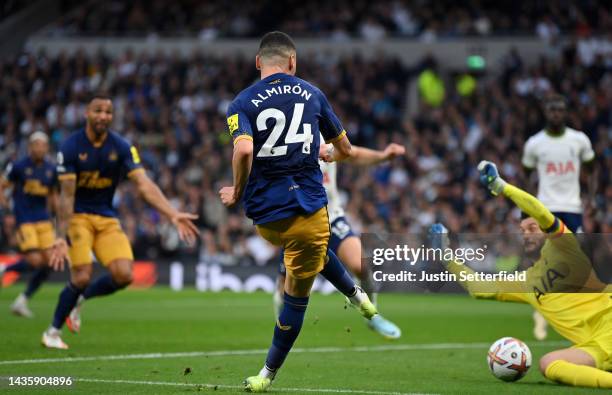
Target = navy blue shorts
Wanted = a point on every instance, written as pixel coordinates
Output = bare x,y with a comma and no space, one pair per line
340,230
573,221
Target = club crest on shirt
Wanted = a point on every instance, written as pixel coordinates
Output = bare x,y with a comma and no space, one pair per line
113,156
83,156
28,171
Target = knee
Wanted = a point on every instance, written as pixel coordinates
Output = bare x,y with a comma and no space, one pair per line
545,362
35,259
123,277
81,278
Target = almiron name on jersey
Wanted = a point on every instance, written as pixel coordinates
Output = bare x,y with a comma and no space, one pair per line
488,263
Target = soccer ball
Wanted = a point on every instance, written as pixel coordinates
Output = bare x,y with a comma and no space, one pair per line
509,359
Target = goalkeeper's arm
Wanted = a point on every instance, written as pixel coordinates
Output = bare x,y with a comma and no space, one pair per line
531,206
506,291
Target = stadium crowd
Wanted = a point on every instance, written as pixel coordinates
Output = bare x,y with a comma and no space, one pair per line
338,20
173,109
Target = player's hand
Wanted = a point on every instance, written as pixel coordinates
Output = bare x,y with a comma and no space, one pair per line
394,150
186,228
326,152
59,254
438,236
228,196
489,177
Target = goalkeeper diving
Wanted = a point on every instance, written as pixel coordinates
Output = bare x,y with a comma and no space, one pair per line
552,287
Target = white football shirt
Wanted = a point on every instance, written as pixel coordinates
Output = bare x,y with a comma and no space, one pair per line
558,160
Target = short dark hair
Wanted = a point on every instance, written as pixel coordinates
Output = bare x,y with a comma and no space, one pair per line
98,95
554,98
276,44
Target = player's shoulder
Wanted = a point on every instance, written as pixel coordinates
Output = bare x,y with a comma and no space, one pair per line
118,140
576,134
71,143
535,140
20,163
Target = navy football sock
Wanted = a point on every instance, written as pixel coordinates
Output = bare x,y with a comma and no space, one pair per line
286,330
104,285
20,266
39,276
336,274
67,300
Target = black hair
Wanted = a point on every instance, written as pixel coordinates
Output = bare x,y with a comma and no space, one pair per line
554,98
98,95
276,44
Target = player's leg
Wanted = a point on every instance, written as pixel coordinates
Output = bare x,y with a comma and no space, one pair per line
39,261
349,252
80,277
577,366
81,234
540,326
112,248
36,261
28,242
277,297
304,239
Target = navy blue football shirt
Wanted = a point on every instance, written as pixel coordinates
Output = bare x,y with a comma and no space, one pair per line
284,116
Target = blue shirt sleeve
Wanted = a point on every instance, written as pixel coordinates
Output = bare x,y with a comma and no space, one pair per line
238,123
130,158
66,161
329,125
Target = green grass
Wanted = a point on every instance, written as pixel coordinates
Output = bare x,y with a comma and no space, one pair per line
159,320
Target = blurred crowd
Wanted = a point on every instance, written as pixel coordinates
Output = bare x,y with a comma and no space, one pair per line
173,110
337,20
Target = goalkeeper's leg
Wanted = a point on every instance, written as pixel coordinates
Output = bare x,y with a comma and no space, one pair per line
575,367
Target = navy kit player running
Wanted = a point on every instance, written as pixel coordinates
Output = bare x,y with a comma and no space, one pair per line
34,181
276,125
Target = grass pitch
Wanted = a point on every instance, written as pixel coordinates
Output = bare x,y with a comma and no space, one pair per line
161,342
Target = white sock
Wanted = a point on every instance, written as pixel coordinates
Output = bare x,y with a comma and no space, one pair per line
267,372
53,331
359,297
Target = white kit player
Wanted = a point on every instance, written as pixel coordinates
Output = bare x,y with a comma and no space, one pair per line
558,152
343,241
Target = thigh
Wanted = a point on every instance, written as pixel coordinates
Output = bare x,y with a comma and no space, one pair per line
27,237
349,253
46,234
111,243
340,231
305,245
81,238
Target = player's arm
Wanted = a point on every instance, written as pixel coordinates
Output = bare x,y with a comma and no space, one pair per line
151,193
489,177
65,210
505,291
240,129
364,156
